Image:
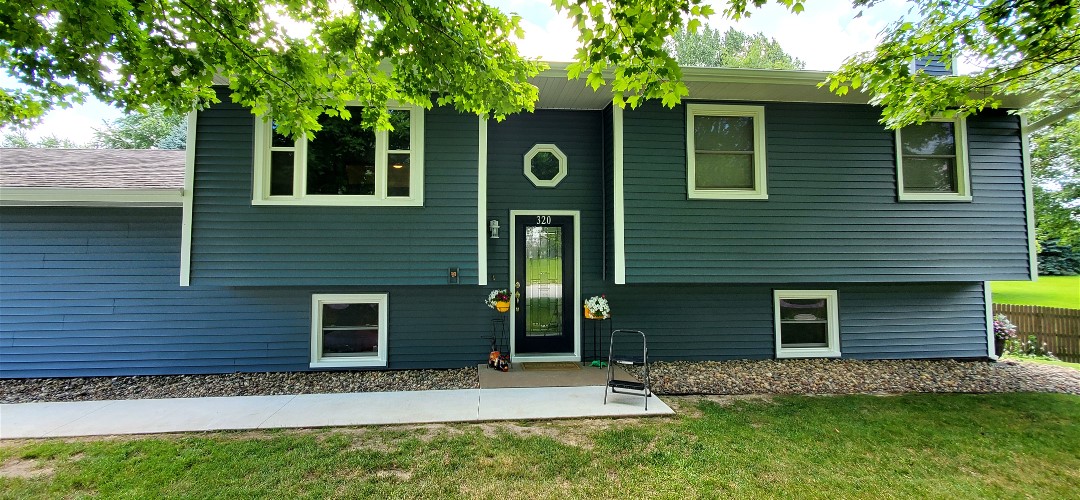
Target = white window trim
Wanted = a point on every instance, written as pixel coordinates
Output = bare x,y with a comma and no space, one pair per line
760,191
545,148
832,310
261,177
317,301
963,173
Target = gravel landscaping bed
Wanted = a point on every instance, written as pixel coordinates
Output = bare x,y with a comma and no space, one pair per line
232,384
820,376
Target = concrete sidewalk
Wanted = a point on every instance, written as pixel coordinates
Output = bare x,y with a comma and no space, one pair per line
147,416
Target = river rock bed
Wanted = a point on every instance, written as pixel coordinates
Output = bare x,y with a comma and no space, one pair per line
828,376
233,384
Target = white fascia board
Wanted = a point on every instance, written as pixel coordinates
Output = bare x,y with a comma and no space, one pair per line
101,197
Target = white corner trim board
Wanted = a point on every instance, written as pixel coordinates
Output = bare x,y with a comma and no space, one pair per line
988,298
1029,203
619,209
99,197
189,201
481,204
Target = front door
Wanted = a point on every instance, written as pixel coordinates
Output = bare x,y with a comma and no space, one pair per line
544,284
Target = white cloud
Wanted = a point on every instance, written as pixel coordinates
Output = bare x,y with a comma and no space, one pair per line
555,40
825,34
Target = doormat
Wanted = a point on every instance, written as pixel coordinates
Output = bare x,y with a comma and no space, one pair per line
551,367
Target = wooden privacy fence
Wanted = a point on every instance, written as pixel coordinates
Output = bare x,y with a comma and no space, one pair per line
1058,328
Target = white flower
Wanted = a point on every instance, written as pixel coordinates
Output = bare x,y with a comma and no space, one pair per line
598,306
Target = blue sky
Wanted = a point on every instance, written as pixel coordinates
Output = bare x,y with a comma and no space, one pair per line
825,34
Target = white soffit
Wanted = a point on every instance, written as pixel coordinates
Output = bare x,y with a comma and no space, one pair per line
715,84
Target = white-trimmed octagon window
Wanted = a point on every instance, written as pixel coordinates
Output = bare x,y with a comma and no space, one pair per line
807,324
725,152
345,165
931,161
545,165
348,330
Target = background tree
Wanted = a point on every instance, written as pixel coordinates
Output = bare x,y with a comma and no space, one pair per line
154,128
708,47
1055,170
20,139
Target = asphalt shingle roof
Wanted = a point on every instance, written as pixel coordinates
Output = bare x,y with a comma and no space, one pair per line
92,168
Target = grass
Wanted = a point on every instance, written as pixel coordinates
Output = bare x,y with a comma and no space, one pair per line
1044,361
1049,291
918,446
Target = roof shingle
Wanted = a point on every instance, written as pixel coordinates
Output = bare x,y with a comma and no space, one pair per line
92,168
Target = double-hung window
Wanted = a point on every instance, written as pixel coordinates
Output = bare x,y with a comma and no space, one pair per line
931,161
807,323
725,152
344,165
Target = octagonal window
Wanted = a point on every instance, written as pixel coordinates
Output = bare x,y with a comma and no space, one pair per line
545,165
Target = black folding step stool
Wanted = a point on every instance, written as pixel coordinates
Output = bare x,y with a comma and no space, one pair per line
631,387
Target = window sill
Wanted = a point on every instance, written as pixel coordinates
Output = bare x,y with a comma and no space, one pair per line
808,353
944,197
346,202
726,195
349,363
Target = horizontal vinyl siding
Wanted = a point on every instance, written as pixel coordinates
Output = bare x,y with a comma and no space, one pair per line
237,244
95,292
702,322
832,213
912,321
578,134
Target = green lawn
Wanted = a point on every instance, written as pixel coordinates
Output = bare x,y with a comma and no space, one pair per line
1049,291
914,446
1045,361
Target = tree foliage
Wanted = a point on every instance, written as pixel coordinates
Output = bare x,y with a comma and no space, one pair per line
1055,170
291,59
296,60
1023,46
153,128
709,47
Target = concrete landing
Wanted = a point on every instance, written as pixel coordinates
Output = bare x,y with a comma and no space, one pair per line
148,416
517,377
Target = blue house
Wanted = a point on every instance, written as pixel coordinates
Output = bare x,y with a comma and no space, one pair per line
762,218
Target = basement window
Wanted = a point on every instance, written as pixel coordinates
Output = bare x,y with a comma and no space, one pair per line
348,330
807,324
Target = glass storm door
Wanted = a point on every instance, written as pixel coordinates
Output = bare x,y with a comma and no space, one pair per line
544,282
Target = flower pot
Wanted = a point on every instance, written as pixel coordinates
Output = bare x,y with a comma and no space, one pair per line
502,306
999,346
589,315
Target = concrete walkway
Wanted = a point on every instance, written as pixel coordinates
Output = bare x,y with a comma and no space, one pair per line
146,416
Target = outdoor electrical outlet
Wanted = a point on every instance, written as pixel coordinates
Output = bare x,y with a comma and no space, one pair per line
452,276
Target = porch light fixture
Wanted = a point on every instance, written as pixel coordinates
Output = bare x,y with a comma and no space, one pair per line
493,228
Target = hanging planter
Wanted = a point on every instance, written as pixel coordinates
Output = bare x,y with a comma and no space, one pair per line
597,307
498,300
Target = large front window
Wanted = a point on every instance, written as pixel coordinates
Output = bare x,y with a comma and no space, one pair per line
348,330
345,164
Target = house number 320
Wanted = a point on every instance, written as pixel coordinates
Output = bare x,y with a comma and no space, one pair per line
543,219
